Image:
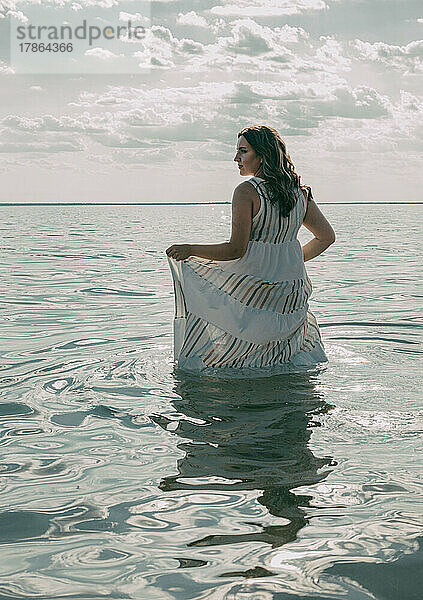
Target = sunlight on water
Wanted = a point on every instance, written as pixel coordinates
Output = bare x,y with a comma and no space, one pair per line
123,478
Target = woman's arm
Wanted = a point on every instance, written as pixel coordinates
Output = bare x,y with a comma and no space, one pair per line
323,233
242,208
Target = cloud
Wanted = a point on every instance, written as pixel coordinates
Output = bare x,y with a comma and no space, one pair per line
247,40
407,121
160,48
330,56
19,135
18,15
407,59
268,8
302,88
12,5
40,146
191,18
84,123
215,111
250,38
355,103
247,46
102,54
401,134
5,69
134,18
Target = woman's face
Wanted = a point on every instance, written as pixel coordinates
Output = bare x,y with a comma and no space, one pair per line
247,159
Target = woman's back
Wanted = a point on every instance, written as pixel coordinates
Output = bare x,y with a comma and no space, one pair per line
273,253
269,225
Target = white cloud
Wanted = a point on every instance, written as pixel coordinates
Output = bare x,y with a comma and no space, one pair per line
291,35
331,55
249,47
407,120
160,48
268,8
401,133
84,123
355,103
408,58
249,38
134,18
40,146
139,116
191,18
13,4
28,136
18,15
5,69
102,54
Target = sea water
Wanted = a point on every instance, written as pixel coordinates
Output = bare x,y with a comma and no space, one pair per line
122,478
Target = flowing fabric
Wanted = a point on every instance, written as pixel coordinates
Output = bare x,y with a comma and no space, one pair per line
251,312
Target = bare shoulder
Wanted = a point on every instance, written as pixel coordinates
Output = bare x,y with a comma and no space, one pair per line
245,189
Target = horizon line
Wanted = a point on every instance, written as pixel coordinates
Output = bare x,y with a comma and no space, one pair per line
180,203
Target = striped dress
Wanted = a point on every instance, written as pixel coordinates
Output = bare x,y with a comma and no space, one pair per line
249,313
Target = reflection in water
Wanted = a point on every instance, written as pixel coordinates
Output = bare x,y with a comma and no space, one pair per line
254,434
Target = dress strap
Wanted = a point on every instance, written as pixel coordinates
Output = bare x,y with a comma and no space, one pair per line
256,182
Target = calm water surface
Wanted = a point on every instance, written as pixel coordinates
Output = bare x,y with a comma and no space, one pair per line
121,478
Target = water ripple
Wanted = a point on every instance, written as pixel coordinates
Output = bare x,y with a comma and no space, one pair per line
123,478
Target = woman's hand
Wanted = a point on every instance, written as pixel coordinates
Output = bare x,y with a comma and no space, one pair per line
179,251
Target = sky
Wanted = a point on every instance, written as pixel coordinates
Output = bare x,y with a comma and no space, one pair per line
156,119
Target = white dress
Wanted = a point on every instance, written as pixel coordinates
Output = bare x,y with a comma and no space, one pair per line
249,314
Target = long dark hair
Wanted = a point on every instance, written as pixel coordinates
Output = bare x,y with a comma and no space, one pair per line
277,166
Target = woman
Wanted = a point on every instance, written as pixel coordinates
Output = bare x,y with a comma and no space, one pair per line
244,303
